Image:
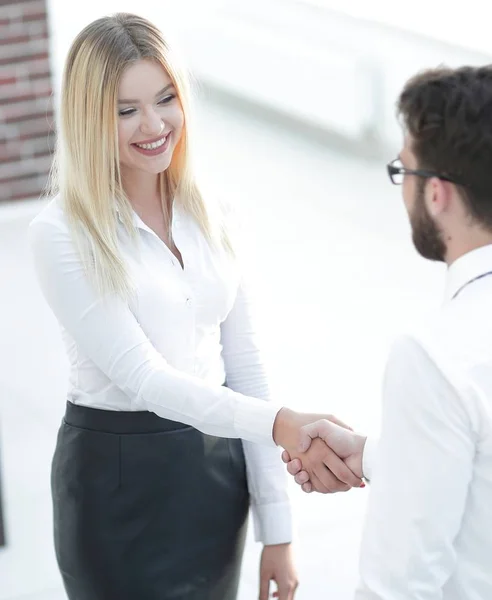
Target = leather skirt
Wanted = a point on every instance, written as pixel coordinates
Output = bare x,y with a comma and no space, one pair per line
146,508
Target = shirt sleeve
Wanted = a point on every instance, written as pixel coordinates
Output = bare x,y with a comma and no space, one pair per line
422,470
370,448
246,373
107,332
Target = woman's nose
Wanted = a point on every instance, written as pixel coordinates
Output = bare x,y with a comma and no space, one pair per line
151,124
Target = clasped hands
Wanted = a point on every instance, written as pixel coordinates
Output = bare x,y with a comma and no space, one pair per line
322,452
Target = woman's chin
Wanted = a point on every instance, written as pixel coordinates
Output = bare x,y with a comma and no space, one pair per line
152,167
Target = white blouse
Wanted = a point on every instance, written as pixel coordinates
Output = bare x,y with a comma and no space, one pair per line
170,349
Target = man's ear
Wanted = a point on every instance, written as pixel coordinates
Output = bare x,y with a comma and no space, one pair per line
438,196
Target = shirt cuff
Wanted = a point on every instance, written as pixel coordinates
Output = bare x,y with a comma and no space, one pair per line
254,421
368,457
272,523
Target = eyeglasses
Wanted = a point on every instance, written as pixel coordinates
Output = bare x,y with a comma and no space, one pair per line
397,171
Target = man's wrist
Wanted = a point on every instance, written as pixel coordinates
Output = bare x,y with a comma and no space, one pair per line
368,457
362,441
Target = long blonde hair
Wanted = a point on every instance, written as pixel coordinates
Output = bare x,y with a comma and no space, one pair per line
86,171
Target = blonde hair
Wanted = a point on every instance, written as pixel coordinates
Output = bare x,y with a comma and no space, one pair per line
86,171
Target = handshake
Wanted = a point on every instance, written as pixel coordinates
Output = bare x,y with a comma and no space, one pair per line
323,453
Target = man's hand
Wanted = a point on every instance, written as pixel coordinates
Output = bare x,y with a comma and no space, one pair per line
324,467
347,445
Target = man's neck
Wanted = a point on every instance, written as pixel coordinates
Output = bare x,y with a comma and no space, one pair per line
464,246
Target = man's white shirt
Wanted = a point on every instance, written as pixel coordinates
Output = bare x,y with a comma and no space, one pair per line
428,528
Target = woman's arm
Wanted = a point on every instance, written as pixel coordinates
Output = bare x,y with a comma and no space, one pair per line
267,482
106,331
246,374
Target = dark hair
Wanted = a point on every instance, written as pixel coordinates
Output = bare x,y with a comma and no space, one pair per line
448,114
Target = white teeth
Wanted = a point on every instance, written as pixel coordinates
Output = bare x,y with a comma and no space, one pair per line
152,146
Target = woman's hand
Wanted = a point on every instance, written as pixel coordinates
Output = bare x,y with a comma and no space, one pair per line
346,445
277,565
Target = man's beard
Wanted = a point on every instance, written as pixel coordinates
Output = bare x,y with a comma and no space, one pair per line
426,235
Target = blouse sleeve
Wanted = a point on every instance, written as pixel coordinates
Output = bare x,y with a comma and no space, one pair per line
246,374
107,332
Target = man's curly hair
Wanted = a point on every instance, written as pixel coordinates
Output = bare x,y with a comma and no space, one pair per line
448,114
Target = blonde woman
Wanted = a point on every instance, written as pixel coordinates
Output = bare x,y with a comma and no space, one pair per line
151,482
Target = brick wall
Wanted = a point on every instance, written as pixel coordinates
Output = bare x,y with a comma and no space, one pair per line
26,113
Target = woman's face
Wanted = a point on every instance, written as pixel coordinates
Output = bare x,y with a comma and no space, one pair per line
150,118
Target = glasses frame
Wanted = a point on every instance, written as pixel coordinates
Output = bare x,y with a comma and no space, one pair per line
393,170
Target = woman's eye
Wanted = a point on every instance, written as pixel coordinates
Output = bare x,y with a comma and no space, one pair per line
167,99
126,112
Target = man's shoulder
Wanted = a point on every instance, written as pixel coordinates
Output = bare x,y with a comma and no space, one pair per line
423,333
450,340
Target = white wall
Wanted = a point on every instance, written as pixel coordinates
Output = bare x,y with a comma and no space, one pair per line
457,24
326,68
68,18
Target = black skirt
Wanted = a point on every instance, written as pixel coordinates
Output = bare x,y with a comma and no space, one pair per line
146,508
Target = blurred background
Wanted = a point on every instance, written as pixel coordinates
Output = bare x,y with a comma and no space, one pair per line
294,103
